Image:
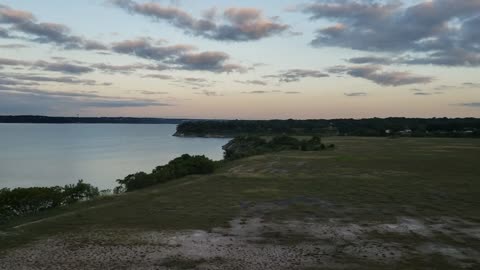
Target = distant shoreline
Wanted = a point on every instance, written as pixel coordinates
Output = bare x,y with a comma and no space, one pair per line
210,136
36,119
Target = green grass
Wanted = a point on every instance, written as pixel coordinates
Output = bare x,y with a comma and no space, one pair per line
363,179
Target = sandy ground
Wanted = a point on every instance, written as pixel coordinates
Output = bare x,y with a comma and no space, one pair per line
252,243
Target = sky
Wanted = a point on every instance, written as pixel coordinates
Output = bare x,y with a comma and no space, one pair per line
271,59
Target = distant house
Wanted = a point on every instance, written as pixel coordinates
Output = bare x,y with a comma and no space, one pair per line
405,132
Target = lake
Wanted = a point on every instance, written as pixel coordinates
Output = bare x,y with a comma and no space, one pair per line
49,154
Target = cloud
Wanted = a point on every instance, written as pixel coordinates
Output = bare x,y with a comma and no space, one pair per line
177,56
203,61
11,16
7,80
69,68
195,80
375,74
234,24
210,61
438,32
371,60
295,75
257,92
11,103
21,78
43,32
247,24
62,67
292,92
253,82
28,90
471,104
452,57
13,62
158,76
4,33
356,94
125,69
209,93
471,85
144,49
445,87
13,46
229,68
34,96
197,83
146,92
422,94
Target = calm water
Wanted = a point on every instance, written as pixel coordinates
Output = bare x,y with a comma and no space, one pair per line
45,155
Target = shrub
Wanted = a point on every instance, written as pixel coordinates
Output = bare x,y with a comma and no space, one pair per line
245,146
284,143
79,192
26,201
176,168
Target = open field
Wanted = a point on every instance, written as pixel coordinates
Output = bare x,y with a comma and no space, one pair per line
372,203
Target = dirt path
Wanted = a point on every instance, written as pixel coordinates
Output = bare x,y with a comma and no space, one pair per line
253,244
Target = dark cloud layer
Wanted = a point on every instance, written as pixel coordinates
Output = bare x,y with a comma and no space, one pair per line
257,92
63,67
438,32
178,56
471,85
471,104
21,99
295,75
158,76
125,69
253,82
422,94
25,79
13,46
371,60
356,94
144,48
209,93
234,24
377,75
26,23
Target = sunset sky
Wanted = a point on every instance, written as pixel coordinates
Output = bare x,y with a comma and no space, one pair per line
240,59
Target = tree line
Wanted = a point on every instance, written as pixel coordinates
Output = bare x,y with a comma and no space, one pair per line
399,126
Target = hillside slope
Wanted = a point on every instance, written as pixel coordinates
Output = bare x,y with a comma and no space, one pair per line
372,203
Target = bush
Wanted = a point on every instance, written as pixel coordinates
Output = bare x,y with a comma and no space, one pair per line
79,192
314,144
176,168
135,181
245,146
284,143
26,201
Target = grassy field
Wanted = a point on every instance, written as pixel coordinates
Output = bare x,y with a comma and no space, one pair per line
372,203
